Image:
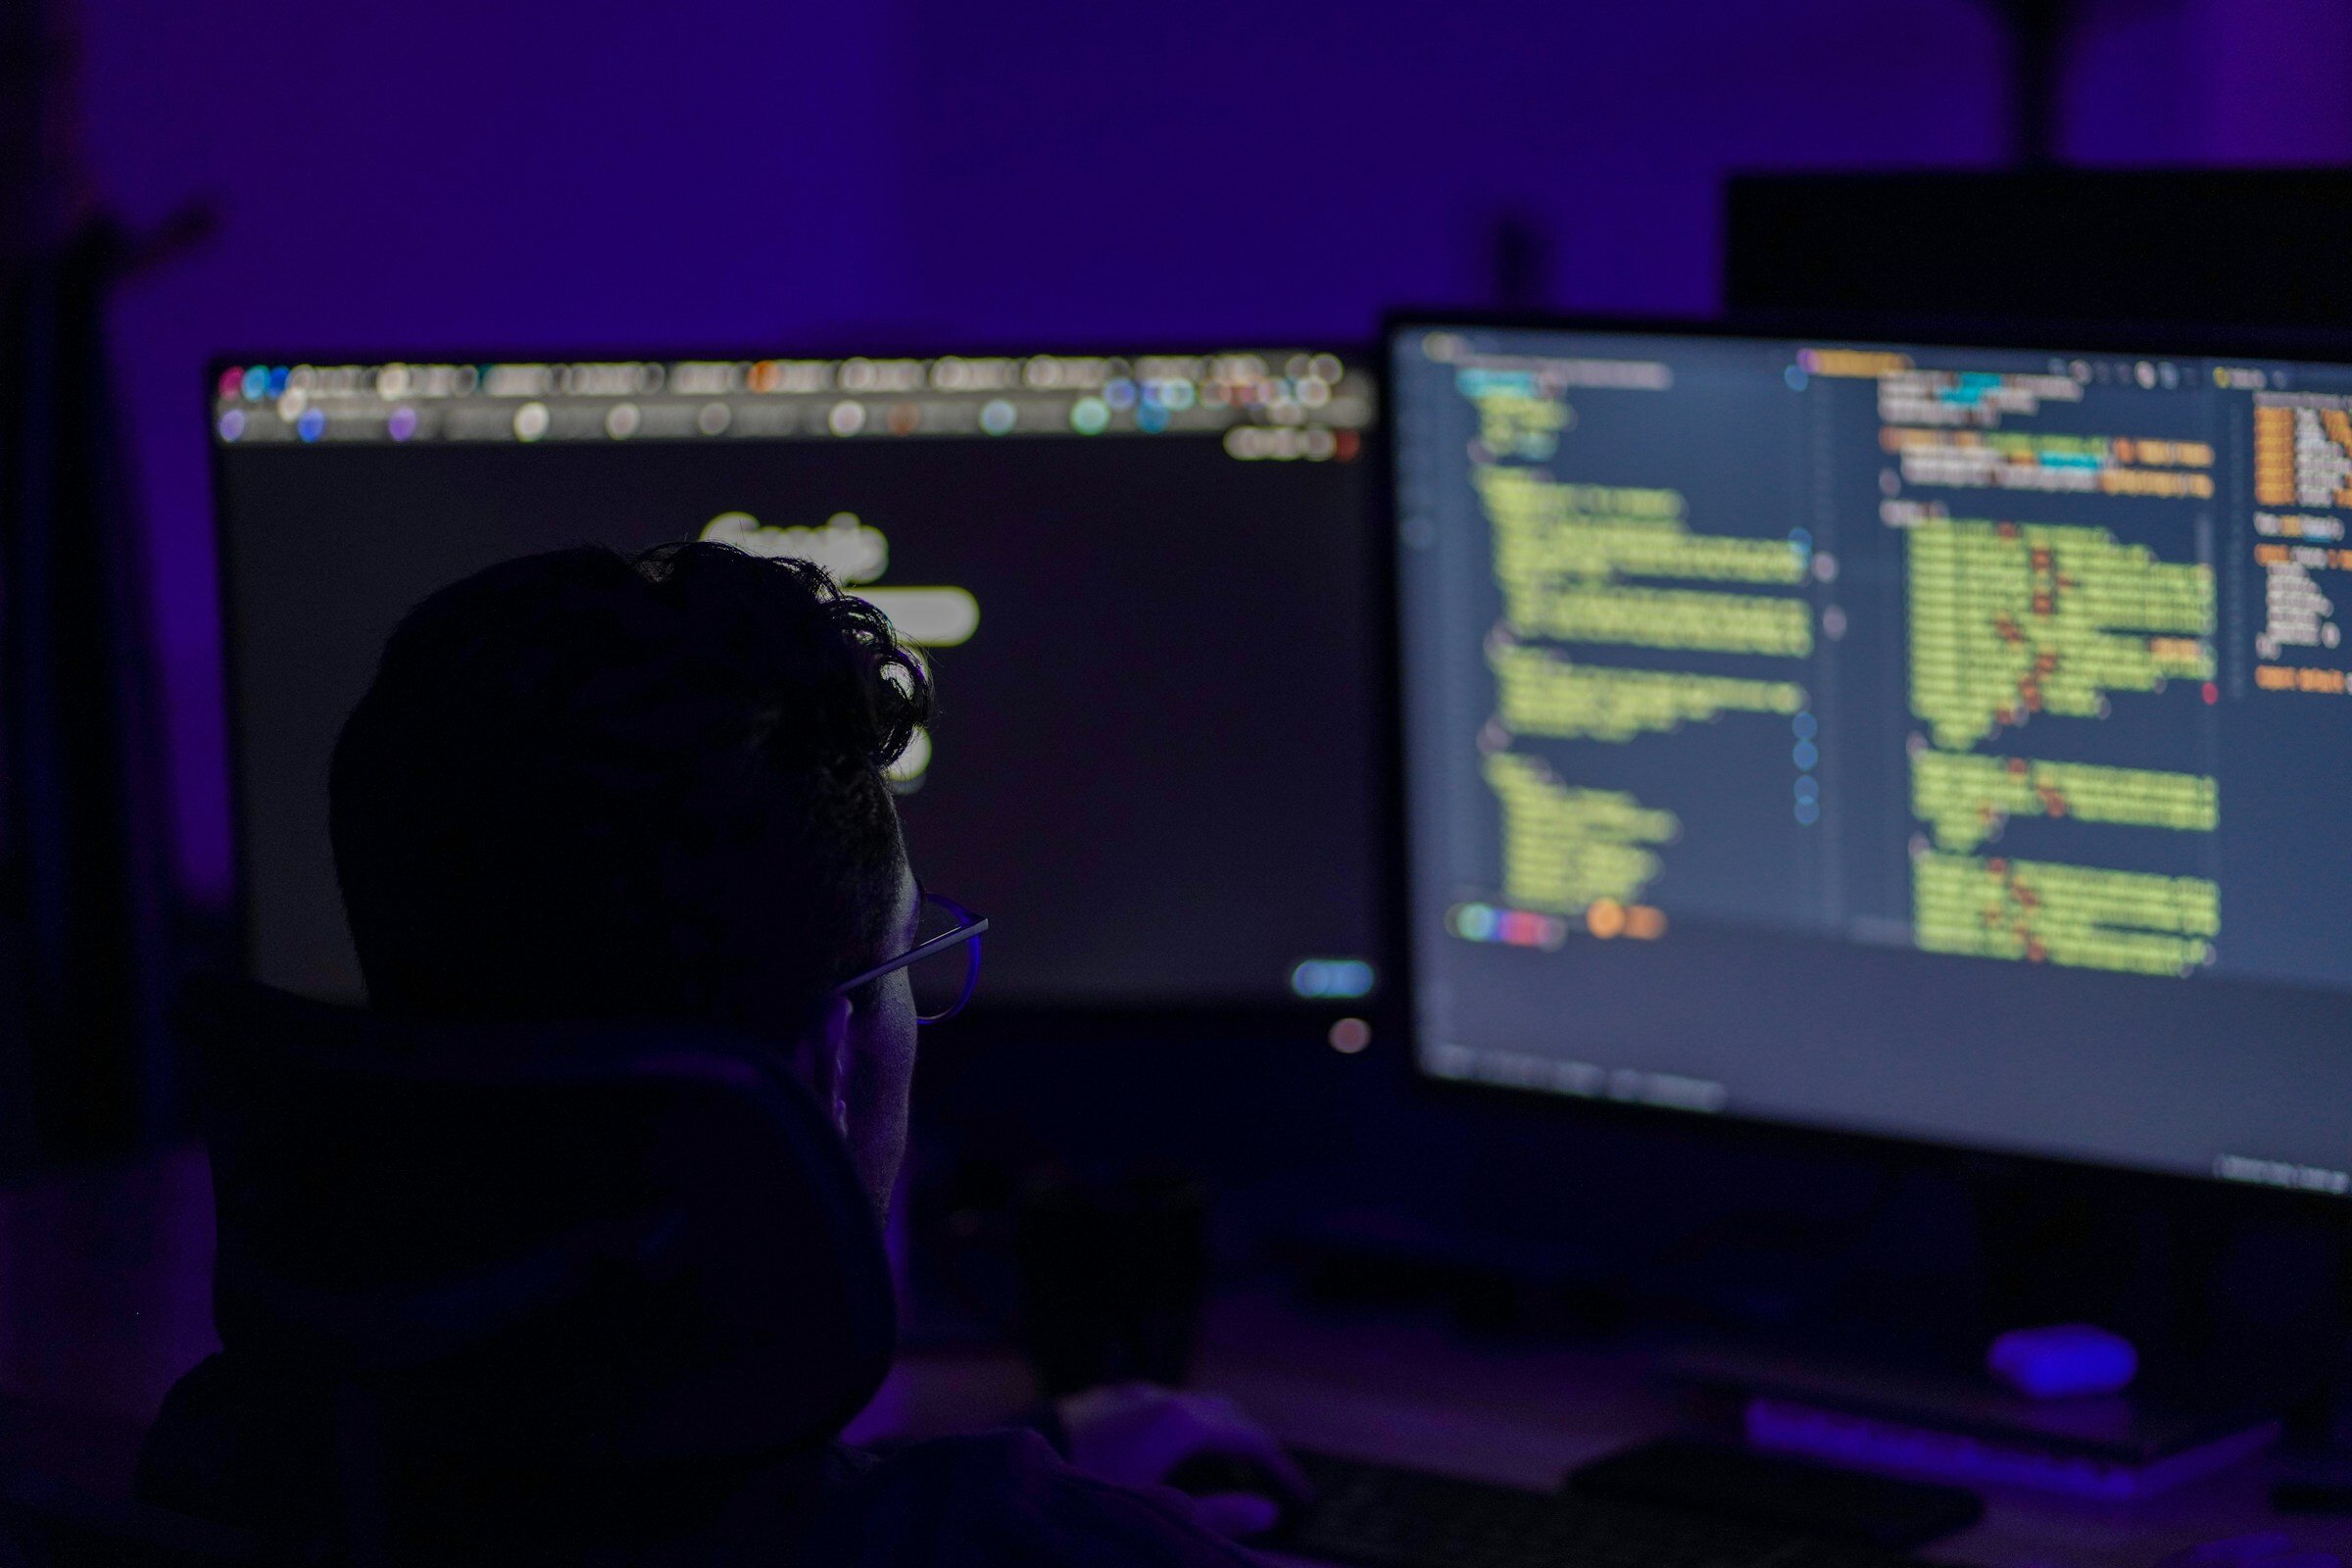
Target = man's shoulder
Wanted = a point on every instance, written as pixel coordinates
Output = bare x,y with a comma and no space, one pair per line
1004,1498
185,1459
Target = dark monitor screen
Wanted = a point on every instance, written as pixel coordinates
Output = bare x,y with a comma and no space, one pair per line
1898,739
1141,582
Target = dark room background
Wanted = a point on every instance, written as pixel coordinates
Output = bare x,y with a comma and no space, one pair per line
525,177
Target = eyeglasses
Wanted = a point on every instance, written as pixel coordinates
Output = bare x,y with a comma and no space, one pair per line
943,964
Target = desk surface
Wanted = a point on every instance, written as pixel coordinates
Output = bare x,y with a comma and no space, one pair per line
104,1300
1409,1391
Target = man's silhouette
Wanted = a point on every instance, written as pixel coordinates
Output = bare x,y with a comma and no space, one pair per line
584,787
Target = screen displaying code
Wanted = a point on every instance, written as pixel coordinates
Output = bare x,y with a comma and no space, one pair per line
1900,737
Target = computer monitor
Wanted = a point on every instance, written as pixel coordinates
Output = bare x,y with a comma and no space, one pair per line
2139,245
1140,581
1922,739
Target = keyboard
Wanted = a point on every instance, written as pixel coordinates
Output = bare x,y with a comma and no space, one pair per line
1383,1517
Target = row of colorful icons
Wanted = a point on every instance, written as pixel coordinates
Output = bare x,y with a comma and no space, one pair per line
1086,415
1306,381
1606,918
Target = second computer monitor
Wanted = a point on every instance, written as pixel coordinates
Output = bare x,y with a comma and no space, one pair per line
1141,582
1914,739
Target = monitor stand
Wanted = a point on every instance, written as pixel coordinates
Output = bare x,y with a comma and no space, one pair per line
1971,1431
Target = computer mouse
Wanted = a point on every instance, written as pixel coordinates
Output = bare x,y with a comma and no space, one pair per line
2062,1361
1228,1484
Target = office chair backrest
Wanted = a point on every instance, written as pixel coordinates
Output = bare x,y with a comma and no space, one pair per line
46,1524
555,1246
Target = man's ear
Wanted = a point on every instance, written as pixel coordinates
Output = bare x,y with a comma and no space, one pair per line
822,1060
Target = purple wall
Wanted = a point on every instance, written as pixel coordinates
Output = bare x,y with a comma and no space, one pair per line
587,174
443,174
2213,81
1271,167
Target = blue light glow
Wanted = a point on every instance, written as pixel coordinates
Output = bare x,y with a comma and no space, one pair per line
1341,978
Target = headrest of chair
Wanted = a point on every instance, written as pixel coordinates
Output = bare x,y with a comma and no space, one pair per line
557,1244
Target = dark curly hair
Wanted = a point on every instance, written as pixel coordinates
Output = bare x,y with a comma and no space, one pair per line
584,785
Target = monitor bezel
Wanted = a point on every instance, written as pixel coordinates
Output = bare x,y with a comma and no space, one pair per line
1289,1021
1524,1106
